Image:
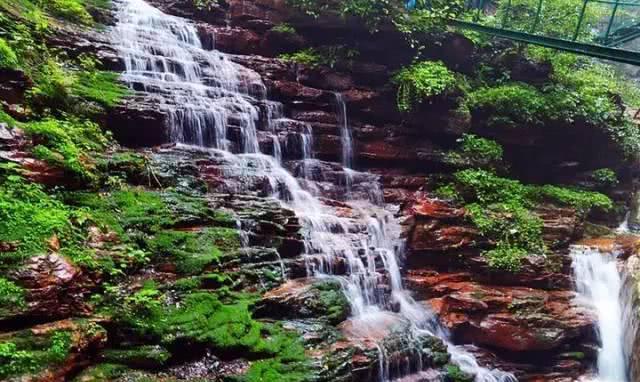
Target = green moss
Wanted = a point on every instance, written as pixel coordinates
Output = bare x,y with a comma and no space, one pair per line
150,356
101,372
67,144
421,82
276,370
28,355
99,86
190,251
455,374
331,301
29,217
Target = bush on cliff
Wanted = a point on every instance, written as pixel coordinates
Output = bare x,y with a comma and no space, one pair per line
502,210
421,82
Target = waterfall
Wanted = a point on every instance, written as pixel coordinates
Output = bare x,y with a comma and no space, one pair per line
206,96
599,286
346,137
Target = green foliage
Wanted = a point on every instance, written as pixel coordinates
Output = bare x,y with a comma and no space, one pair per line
17,358
204,318
374,14
72,10
328,55
488,188
422,81
14,361
307,57
206,5
558,18
60,346
8,58
11,297
482,148
331,301
510,105
605,177
583,201
448,192
284,28
500,209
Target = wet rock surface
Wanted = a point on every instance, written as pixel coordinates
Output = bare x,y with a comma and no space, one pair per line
527,322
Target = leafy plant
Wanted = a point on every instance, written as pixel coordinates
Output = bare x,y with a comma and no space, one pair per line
284,28
11,296
422,81
8,58
483,148
605,177
14,361
307,56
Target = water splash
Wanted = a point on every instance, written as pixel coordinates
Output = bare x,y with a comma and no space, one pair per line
599,286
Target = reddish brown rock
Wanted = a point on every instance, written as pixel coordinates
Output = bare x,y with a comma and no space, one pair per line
54,287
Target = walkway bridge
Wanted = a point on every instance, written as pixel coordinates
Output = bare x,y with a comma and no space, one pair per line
606,29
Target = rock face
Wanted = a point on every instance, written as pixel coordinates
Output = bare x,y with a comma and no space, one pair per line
528,319
525,322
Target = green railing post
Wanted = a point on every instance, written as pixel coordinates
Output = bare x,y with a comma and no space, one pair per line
584,8
537,20
613,15
506,14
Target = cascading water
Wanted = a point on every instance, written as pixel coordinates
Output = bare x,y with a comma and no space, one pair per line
599,286
205,96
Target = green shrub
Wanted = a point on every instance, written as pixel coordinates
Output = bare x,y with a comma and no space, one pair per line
308,57
11,297
422,81
14,361
510,105
605,177
328,55
8,58
284,28
488,188
582,201
500,209
447,191
481,148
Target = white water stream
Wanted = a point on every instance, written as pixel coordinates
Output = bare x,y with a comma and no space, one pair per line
599,286
205,95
